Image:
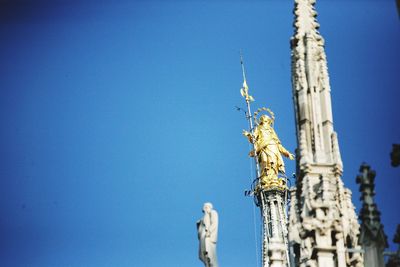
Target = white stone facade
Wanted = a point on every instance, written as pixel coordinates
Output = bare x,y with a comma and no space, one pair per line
323,227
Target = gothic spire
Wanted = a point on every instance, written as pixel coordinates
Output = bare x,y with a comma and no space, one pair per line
372,237
311,89
322,222
305,18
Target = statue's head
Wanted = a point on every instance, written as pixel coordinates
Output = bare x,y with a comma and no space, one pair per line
265,119
207,207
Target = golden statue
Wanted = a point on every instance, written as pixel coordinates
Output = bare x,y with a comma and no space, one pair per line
268,150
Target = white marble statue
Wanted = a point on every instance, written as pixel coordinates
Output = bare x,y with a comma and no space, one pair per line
207,229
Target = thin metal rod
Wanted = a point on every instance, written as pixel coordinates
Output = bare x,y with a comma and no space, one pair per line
241,63
249,117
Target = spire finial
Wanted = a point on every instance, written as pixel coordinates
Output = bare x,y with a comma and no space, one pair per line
305,18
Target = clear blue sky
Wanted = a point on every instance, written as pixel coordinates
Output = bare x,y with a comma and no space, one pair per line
118,122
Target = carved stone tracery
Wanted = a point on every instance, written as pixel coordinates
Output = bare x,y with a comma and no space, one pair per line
322,220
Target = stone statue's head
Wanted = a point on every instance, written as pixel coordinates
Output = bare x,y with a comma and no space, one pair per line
265,119
207,207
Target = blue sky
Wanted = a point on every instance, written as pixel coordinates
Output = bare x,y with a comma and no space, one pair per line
118,122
